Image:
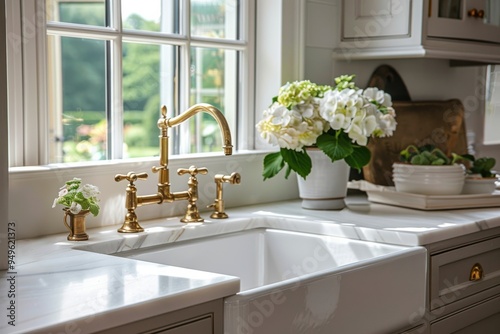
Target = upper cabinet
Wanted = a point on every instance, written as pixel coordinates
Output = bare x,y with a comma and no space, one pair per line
467,30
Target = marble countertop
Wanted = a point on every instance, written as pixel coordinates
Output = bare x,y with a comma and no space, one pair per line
58,283
57,289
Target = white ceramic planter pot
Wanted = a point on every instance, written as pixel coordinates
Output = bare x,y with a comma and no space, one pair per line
479,186
326,187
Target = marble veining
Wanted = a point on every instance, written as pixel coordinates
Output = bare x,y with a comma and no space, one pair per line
60,283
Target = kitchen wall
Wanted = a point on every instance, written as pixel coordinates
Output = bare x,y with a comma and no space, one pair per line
32,191
425,79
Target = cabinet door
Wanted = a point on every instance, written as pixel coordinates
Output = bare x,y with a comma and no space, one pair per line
483,318
365,19
421,329
205,318
201,326
471,20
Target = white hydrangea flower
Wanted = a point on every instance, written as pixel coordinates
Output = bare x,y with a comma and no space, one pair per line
339,121
356,133
292,129
379,96
387,125
89,191
75,208
304,111
369,125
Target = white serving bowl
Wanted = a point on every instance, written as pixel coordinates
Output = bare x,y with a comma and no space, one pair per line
479,186
430,188
429,180
427,169
453,176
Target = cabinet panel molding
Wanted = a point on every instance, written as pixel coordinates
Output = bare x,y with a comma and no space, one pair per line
483,318
451,270
385,29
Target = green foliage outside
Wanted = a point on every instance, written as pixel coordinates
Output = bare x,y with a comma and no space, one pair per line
84,91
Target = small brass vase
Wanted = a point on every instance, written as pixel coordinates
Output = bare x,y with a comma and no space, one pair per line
76,225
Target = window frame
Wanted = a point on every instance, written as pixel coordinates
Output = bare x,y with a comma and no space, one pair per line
29,121
492,106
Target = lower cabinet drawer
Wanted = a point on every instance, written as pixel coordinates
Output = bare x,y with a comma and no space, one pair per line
483,318
462,272
200,326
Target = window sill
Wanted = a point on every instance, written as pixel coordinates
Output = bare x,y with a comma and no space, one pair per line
105,166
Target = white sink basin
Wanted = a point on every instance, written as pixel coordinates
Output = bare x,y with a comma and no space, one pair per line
306,283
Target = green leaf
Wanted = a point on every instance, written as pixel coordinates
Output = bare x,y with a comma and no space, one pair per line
420,160
360,157
85,205
300,162
273,164
406,154
94,209
287,172
441,156
483,166
337,146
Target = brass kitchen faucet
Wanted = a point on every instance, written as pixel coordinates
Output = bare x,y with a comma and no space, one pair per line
132,200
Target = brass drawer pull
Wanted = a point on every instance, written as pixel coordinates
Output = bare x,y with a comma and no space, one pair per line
476,273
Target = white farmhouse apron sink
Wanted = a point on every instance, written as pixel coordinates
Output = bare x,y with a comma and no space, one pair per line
294,282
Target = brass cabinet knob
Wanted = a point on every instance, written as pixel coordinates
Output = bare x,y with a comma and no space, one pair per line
476,273
476,13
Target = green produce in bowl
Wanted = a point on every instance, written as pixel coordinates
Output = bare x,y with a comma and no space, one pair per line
425,155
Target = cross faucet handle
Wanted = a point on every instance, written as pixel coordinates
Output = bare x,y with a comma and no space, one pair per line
131,177
193,171
156,169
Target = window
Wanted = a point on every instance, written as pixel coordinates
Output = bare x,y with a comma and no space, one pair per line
109,65
492,106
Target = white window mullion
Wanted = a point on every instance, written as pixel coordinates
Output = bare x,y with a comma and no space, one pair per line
116,102
246,104
55,102
31,79
116,14
230,64
184,85
167,58
15,75
44,136
115,130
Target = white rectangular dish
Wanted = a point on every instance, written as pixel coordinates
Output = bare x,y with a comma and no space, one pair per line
425,202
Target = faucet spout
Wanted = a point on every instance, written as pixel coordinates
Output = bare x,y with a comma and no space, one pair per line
164,122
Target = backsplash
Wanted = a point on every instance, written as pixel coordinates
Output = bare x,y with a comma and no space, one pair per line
31,202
